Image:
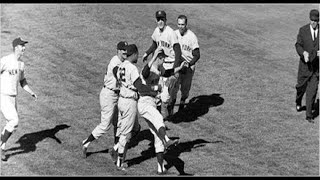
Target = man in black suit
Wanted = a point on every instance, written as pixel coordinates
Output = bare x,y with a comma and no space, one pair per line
307,47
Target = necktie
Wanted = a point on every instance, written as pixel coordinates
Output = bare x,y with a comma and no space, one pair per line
314,35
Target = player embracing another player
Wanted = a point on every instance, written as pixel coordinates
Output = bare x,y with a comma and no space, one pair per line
147,104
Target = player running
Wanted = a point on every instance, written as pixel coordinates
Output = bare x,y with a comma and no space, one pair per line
147,104
12,73
165,37
109,96
190,53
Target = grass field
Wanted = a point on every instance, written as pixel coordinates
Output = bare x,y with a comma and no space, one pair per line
243,123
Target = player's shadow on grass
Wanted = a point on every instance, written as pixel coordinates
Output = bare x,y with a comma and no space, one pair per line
196,107
171,156
27,142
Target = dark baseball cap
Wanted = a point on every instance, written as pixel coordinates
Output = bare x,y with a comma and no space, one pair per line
131,49
161,14
122,45
314,15
18,41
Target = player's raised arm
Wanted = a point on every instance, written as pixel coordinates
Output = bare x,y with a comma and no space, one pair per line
151,49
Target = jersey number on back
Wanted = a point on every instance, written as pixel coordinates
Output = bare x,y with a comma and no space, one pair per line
122,74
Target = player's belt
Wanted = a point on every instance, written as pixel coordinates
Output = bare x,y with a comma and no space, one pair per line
129,97
116,91
168,61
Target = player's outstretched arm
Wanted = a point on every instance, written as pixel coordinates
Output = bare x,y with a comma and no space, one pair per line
151,49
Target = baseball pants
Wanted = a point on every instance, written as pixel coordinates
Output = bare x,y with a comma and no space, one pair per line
9,110
147,107
184,83
127,122
109,112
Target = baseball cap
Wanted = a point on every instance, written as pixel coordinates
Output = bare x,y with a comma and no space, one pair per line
161,14
131,49
122,45
18,41
314,15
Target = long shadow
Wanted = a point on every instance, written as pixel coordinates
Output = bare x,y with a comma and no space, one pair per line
27,142
172,155
196,107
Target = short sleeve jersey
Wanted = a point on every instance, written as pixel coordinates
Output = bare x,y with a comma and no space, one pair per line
127,74
188,42
12,72
166,40
109,80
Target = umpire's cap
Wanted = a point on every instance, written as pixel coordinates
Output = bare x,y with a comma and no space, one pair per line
314,15
131,49
161,14
18,41
122,45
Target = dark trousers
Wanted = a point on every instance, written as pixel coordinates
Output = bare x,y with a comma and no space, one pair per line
308,85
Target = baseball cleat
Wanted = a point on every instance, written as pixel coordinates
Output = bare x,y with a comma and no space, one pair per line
113,155
3,155
84,151
165,171
123,167
171,143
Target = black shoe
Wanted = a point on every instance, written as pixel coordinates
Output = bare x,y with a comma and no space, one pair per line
3,155
298,108
310,119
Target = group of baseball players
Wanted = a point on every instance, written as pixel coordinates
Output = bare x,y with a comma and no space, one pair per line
126,92
151,93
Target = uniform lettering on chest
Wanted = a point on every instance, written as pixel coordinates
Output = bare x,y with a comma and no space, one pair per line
186,48
163,44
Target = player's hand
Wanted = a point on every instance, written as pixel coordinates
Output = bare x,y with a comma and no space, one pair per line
158,51
34,96
144,57
306,56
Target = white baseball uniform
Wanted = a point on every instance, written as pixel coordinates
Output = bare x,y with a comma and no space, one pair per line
109,96
188,42
12,72
166,39
127,74
147,107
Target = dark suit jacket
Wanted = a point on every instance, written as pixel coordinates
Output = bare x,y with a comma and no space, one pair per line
305,43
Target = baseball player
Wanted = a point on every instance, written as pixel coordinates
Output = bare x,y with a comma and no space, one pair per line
190,53
12,73
109,96
127,73
147,104
165,37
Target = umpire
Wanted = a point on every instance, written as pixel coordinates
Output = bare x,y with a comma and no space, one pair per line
307,47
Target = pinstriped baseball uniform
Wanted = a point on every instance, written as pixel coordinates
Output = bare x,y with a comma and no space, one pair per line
147,107
12,72
108,100
166,39
127,74
188,42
